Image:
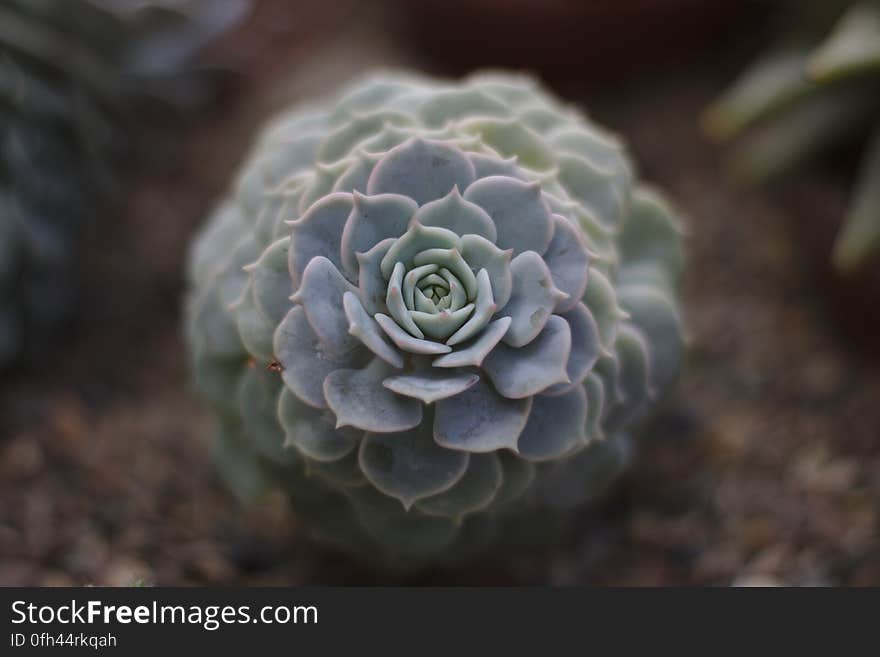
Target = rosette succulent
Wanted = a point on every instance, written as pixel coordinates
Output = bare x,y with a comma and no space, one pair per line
807,97
74,78
430,309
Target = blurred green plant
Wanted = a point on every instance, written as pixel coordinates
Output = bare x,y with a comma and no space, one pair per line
805,98
76,79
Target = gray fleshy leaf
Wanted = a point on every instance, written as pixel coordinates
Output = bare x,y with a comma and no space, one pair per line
422,170
650,234
556,426
421,274
314,432
509,138
521,215
406,341
319,184
359,399
423,303
480,420
490,165
585,348
518,477
513,89
430,386
318,233
608,368
441,325
270,215
343,141
397,306
597,188
410,466
290,210
372,220
372,284
473,492
452,104
345,472
532,300
416,239
366,329
255,329
320,294
258,397
461,217
408,534
271,280
355,177
323,510
250,186
584,476
238,464
217,329
633,353
475,352
214,378
305,359
595,406
600,298
480,253
600,239
657,318
594,146
380,143
452,260
484,307
542,118
568,261
372,92
521,372
206,256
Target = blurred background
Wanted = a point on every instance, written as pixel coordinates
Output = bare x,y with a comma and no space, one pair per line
762,468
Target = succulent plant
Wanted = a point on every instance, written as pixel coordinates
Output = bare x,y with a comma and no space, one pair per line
73,76
430,309
805,98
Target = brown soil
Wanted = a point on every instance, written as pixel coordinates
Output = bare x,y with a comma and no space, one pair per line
764,466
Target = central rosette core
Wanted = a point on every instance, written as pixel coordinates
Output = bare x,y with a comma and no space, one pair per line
432,292
436,297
